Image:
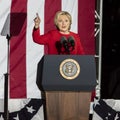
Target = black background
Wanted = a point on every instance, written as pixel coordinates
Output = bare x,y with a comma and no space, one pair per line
110,82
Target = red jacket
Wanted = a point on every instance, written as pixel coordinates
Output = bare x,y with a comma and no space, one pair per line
52,40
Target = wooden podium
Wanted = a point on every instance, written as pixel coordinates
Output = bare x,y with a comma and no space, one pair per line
66,98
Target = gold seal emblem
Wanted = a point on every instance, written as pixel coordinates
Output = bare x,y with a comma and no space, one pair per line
69,69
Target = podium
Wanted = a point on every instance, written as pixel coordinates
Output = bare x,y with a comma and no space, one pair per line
66,82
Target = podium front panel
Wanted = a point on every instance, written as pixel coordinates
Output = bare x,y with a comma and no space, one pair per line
52,80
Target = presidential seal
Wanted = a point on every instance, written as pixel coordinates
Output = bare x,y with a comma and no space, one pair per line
69,69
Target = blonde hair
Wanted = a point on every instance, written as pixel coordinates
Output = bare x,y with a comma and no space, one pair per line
62,13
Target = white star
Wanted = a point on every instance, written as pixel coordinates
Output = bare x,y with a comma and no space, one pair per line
106,118
96,103
16,118
1,117
109,114
116,117
30,109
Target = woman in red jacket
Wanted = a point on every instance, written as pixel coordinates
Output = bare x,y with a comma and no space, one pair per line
61,40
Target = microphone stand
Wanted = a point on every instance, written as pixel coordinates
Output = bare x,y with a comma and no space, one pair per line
6,112
68,51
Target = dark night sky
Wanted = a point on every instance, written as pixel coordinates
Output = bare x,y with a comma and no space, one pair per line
111,28
111,49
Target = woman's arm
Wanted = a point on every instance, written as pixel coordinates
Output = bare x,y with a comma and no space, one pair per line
37,37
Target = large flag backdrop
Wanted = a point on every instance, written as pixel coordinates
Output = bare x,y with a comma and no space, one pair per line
24,53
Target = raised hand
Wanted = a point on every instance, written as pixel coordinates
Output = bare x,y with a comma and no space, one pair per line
37,21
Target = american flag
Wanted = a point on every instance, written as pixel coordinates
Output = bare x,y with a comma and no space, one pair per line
24,54
25,109
106,109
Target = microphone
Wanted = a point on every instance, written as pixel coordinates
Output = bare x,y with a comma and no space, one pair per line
71,42
64,42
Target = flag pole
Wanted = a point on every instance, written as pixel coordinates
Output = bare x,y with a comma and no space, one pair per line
6,112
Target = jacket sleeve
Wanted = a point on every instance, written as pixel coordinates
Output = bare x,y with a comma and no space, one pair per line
40,39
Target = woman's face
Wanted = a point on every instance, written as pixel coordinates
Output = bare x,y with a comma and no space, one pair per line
63,23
